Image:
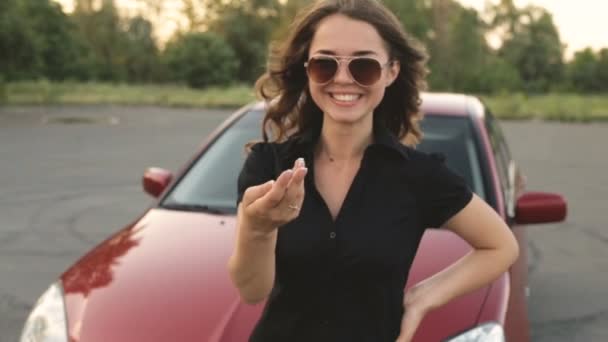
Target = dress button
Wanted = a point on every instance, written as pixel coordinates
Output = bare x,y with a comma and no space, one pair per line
332,235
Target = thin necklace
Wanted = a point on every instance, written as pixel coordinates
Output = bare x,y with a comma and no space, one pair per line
325,152
331,159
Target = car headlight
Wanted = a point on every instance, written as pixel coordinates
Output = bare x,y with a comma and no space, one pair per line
487,332
47,322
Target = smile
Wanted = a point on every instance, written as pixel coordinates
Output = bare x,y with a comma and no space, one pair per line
345,97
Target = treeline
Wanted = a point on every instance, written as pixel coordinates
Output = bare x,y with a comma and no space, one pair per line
226,42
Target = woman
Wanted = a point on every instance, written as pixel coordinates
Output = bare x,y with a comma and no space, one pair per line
332,209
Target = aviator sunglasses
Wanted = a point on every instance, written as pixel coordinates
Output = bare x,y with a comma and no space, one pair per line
365,71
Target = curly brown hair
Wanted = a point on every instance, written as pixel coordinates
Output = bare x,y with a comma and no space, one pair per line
291,110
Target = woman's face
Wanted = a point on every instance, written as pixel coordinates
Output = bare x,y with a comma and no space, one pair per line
342,99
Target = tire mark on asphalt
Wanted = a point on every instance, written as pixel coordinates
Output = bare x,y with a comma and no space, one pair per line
34,221
72,220
595,235
36,195
37,213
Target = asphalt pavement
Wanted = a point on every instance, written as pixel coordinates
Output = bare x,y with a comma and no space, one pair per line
70,176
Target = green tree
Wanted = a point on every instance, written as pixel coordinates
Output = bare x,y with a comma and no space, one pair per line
496,75
142,57
287,14
505,18
19,51
582,71
247,27
104,34
38,40
602,69
460,58
415,16
201,60
60,46
535,49
457,55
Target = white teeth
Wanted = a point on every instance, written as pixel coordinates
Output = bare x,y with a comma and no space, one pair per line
345,97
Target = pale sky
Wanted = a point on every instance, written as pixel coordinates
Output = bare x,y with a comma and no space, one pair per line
581,23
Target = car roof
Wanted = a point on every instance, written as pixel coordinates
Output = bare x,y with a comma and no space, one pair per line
452,104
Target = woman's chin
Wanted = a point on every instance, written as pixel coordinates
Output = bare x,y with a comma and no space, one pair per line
346,117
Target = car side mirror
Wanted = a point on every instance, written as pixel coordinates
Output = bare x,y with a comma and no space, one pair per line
540,207
155,180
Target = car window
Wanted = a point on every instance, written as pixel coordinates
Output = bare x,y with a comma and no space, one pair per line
211,180
504,163
454,138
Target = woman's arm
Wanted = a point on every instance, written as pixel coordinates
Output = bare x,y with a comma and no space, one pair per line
494,251
263,209
252,263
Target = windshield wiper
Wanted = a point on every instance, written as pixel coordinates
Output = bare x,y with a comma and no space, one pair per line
196,208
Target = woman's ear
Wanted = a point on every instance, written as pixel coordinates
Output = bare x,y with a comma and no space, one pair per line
393,72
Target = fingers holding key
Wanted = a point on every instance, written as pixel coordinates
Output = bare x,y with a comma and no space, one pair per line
294,195
274,197
285,199
253,193
278,202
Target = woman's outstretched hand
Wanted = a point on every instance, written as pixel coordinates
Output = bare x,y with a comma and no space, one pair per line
274,203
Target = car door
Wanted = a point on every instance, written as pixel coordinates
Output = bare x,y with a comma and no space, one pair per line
512,185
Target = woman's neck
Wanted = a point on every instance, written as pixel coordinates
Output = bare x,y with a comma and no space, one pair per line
340,142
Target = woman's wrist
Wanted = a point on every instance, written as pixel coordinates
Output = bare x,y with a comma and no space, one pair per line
264,234
426,295
256,231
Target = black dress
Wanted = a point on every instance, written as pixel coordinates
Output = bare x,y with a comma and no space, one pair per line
343,279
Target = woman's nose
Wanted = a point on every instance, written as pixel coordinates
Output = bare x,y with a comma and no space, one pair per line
342,74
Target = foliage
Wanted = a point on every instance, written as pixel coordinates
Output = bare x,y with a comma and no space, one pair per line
247,27
225,41
201,59
582,71
103,32
533,46
588,71
62,93
142,57
561,107
602,69
415,15
558,107
38,40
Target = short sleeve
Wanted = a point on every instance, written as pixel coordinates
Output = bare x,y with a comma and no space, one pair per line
445,193
257,169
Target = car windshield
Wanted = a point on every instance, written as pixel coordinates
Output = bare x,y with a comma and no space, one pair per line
210,183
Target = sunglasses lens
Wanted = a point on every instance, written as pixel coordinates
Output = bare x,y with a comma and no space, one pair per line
321,70
366,71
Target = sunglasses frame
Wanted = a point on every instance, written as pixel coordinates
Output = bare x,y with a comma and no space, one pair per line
348,59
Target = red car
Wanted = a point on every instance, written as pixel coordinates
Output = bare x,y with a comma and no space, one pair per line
164,277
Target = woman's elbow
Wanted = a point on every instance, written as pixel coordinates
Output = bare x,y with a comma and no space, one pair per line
252,299
252,295
511,250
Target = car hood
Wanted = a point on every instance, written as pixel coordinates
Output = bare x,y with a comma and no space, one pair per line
164,278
